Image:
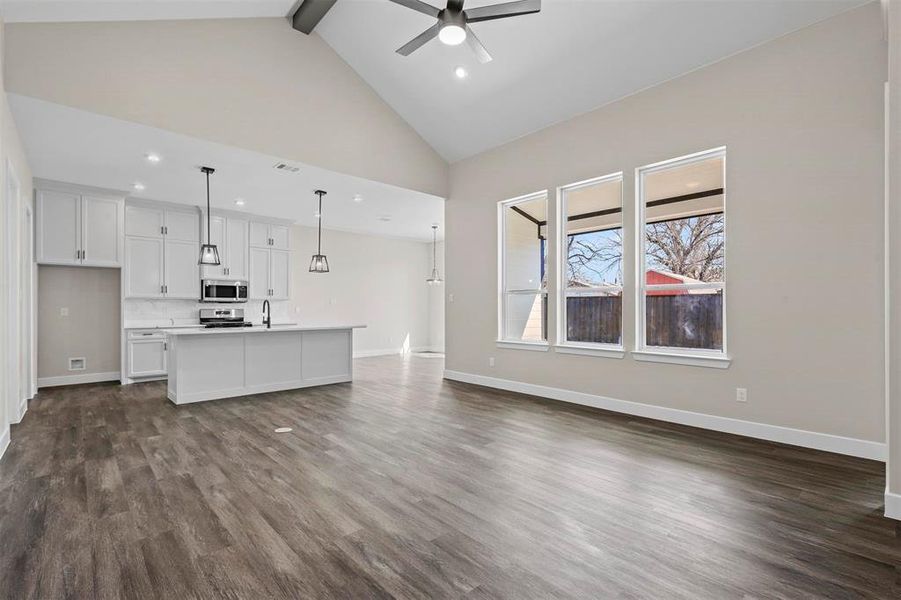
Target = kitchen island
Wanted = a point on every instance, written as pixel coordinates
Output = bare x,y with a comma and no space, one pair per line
208,364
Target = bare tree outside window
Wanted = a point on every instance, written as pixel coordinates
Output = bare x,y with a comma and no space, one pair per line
692,247
595,258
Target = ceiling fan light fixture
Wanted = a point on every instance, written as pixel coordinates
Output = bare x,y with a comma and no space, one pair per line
452,35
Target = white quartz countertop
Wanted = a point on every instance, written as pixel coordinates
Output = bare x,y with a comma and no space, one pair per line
166,324
179,331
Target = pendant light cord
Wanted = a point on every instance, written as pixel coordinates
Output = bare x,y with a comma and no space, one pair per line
319,244
434,247
207,206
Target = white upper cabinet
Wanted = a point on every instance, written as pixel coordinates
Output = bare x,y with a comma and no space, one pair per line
73,228
259,234
269,235
145,221
279,274
259,273
279,236
161,251
236,249
58,230
144,260
102,235
183,226
182,273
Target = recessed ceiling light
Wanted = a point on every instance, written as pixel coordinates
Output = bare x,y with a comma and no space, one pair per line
452,35
358,198
153,158
460,72
239,201
693,185
139,187
384,218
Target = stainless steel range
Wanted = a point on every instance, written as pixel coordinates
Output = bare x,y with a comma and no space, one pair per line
223,317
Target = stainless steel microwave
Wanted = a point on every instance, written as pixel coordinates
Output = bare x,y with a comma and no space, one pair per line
223,290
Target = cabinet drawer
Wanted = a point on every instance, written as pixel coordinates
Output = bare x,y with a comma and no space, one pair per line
148,334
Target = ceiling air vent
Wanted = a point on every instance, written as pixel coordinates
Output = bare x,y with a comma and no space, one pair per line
286,167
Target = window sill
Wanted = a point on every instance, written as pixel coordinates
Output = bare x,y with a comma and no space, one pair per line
591,350
513,345
693,360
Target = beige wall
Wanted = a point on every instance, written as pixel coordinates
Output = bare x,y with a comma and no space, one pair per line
12,153
251,83
92,328
893,470
802,118
375,281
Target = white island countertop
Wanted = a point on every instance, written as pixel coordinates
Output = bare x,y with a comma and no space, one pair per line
181,331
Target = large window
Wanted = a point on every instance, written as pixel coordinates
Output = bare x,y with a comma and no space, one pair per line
682,255
523,272
591,262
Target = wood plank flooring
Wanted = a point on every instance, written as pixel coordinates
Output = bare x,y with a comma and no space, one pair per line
402,485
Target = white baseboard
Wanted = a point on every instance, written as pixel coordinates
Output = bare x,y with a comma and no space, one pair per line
23,408
74,379
773,433
392,351
4,441
892,505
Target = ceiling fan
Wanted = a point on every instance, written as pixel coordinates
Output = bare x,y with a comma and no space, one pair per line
453,28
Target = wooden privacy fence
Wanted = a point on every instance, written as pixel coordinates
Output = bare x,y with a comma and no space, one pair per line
677,321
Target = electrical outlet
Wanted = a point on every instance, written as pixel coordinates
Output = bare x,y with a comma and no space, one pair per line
64,312
741,394
450,297
490,361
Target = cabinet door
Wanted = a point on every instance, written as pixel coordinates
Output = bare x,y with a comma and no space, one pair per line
259,234
182,273
184,226
143,267
279,274
279,235
144,221
58,231
146,358
236,249
101,227
259,273
219,238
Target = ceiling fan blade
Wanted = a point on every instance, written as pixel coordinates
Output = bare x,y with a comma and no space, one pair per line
477,46
419,40
501,11
417,5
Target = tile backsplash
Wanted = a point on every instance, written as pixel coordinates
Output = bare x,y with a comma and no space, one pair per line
186,311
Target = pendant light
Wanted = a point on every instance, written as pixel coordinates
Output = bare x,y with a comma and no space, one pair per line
319,264
209,254
435,279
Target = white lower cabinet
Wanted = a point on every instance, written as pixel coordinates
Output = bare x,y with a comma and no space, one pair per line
147,354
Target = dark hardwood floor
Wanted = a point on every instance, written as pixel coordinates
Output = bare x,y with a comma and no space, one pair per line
402,485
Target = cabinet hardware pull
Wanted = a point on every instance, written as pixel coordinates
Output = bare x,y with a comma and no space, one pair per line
165,346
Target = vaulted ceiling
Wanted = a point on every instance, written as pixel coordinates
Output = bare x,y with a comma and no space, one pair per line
572,57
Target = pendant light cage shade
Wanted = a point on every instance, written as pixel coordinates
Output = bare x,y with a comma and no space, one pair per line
435,278
319,263
209,253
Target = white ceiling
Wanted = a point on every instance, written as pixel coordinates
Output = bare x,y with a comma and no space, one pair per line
572,57
75,146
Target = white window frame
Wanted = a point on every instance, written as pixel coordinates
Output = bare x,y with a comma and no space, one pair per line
502,292
563,345
685,356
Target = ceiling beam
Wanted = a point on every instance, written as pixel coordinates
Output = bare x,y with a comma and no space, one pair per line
309,13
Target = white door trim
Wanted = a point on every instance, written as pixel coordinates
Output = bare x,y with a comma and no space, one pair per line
13,387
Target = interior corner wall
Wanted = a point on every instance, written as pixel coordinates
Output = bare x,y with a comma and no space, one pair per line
802,119
255,84
375,281
893,204
12,153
